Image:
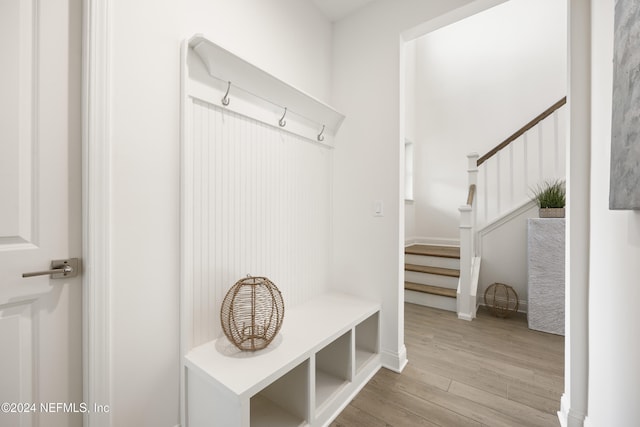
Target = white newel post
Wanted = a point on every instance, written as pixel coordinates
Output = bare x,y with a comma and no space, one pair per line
464,287
465,301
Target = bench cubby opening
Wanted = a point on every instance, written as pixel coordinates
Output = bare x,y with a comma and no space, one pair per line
305,378
285,402
333,369
367,341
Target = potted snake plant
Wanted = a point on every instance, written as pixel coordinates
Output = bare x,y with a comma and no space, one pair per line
550,196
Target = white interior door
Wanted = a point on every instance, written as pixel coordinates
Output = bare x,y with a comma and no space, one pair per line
40,212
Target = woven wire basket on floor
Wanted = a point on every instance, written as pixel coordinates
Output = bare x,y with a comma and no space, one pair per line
501,300
252,312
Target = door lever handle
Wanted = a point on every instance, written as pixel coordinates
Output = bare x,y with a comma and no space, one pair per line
60,268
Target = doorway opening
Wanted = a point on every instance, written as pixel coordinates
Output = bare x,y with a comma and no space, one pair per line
467,84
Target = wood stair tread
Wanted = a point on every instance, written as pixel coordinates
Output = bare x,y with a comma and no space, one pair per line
428,289
432,270
433,250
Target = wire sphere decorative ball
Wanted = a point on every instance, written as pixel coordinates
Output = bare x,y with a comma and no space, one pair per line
252,312
501,300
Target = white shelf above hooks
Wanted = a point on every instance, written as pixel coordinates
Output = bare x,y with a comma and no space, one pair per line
221,78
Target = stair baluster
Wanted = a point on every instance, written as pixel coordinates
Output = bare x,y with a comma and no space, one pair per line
528,169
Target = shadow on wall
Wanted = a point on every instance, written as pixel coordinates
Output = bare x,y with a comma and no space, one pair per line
503,245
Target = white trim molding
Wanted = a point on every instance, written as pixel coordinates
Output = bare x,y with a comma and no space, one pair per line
506,217
443,20
96,199
563,414
437,241
395,361
575,399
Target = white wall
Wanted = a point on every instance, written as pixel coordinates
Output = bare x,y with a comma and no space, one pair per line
504,254
614,348
410,124
367,250
288,38
478,81
291,40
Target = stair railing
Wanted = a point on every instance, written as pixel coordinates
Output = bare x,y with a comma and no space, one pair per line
532,154
504,184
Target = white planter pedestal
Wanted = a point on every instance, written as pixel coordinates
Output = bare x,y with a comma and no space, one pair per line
545,256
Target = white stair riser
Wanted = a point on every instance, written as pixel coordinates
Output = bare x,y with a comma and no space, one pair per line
431,279
432,261
429,300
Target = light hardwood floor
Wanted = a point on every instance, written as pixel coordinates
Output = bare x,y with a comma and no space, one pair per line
488,372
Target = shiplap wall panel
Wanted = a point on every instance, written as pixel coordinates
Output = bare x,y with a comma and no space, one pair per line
260,205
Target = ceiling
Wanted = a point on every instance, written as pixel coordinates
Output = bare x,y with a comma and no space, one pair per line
335,10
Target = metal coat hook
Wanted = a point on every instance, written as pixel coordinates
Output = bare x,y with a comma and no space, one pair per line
320,135
225,98
282,122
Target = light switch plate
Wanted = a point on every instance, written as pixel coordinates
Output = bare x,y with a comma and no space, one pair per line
378,208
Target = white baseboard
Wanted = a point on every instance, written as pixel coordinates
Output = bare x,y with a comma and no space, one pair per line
408,241
569,418
466,316
394,361
522,304
563,412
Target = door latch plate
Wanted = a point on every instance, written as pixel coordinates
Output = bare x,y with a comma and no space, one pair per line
74,263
